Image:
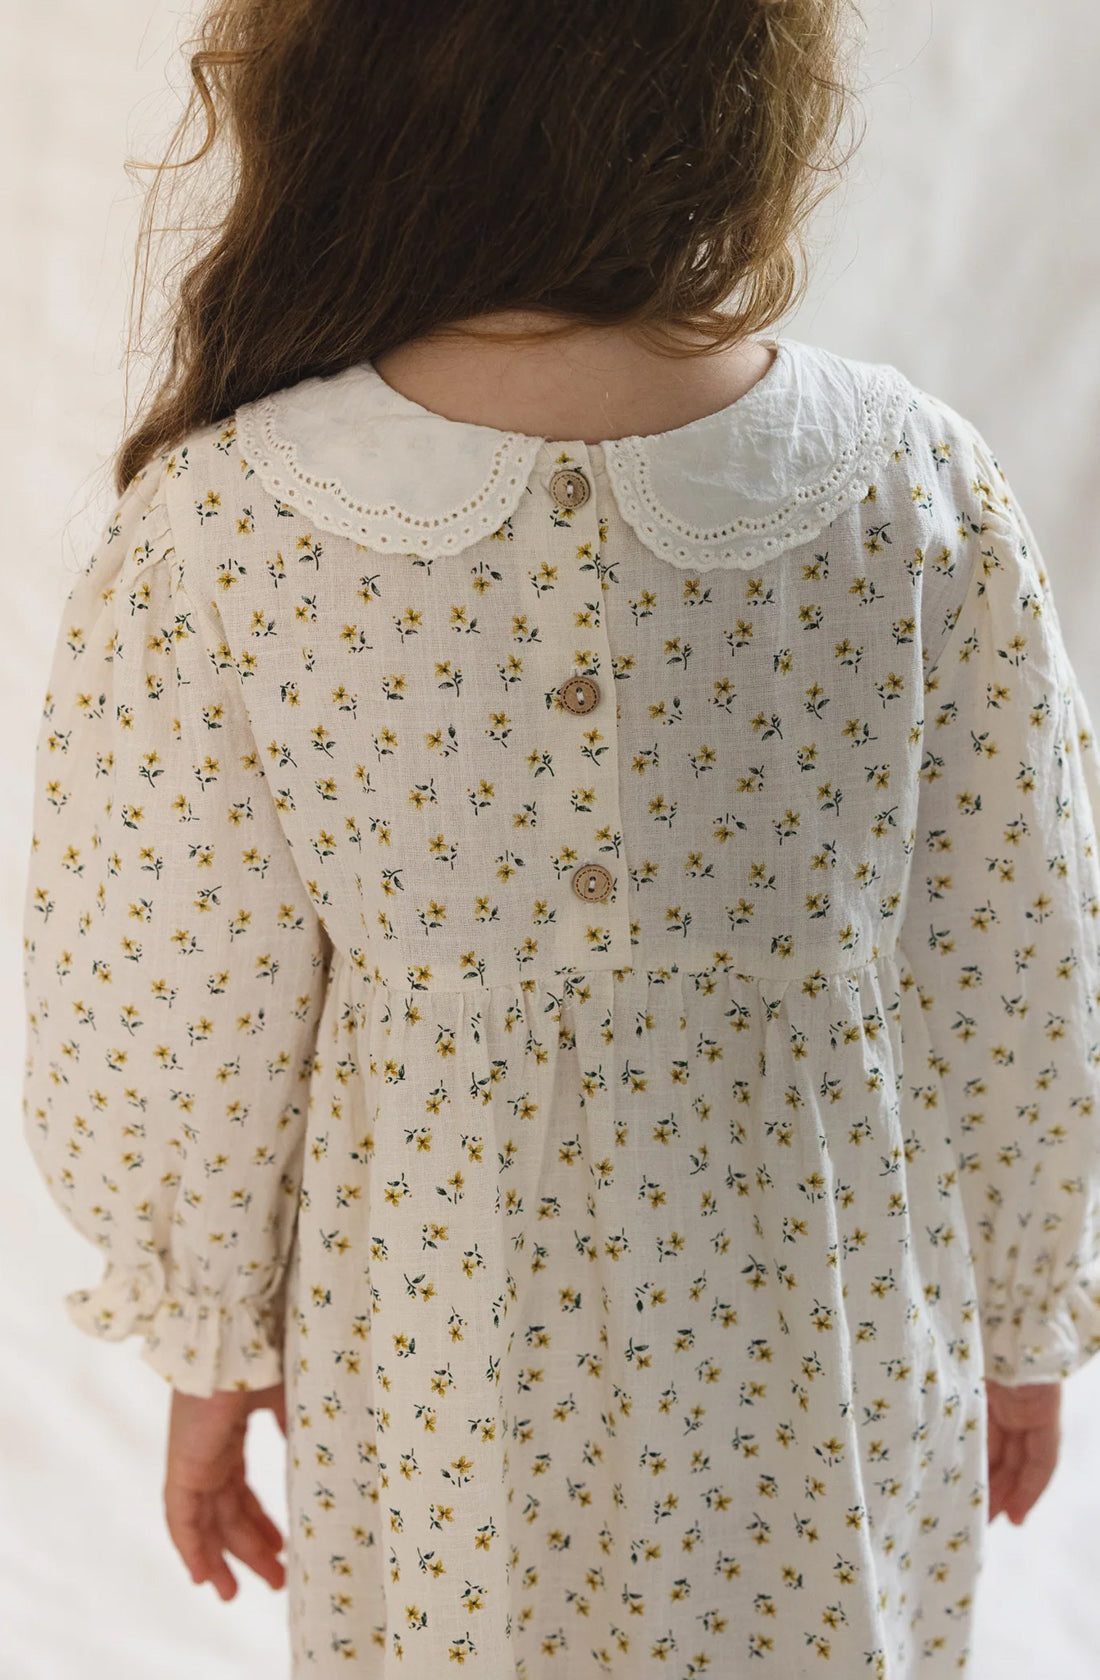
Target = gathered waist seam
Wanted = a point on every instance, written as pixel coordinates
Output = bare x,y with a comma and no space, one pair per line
658,973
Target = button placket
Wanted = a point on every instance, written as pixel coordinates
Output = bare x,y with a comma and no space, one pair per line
593,912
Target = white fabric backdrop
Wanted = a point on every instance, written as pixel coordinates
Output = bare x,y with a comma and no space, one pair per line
964,248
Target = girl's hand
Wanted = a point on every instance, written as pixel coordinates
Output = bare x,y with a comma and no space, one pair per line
209,1507
1024,1436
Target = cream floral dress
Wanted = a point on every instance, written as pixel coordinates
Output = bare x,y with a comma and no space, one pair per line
584,958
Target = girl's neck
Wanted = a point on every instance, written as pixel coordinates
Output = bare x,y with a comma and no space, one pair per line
596,385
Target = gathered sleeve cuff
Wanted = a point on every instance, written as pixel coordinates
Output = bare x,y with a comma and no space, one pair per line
1041,1336
195,1339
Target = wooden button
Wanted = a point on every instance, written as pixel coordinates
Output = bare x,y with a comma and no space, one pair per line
569,487
580,695
592,882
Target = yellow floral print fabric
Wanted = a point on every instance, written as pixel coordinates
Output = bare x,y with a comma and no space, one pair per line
633,1264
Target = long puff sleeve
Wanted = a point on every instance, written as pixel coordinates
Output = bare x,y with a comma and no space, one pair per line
1000,937
174,970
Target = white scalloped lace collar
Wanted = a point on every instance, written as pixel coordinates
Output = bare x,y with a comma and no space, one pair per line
730,489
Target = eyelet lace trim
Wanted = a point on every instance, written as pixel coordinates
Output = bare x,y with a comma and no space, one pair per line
884,399
387,528
887,398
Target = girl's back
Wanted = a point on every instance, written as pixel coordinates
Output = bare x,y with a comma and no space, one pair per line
602,963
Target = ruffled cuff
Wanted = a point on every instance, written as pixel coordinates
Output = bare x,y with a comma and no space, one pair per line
1042,1341
197,1343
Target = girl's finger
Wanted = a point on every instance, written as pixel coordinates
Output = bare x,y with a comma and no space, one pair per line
189,1530
996,1495
270,1530
1018,1441
194,1528
240,1536
224,1580
206,1563
1035,1472
1013,1462
995,1444
1003,1473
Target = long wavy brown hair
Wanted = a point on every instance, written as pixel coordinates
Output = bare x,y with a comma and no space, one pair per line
375,173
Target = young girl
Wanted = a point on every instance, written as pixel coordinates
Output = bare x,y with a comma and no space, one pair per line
561,941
